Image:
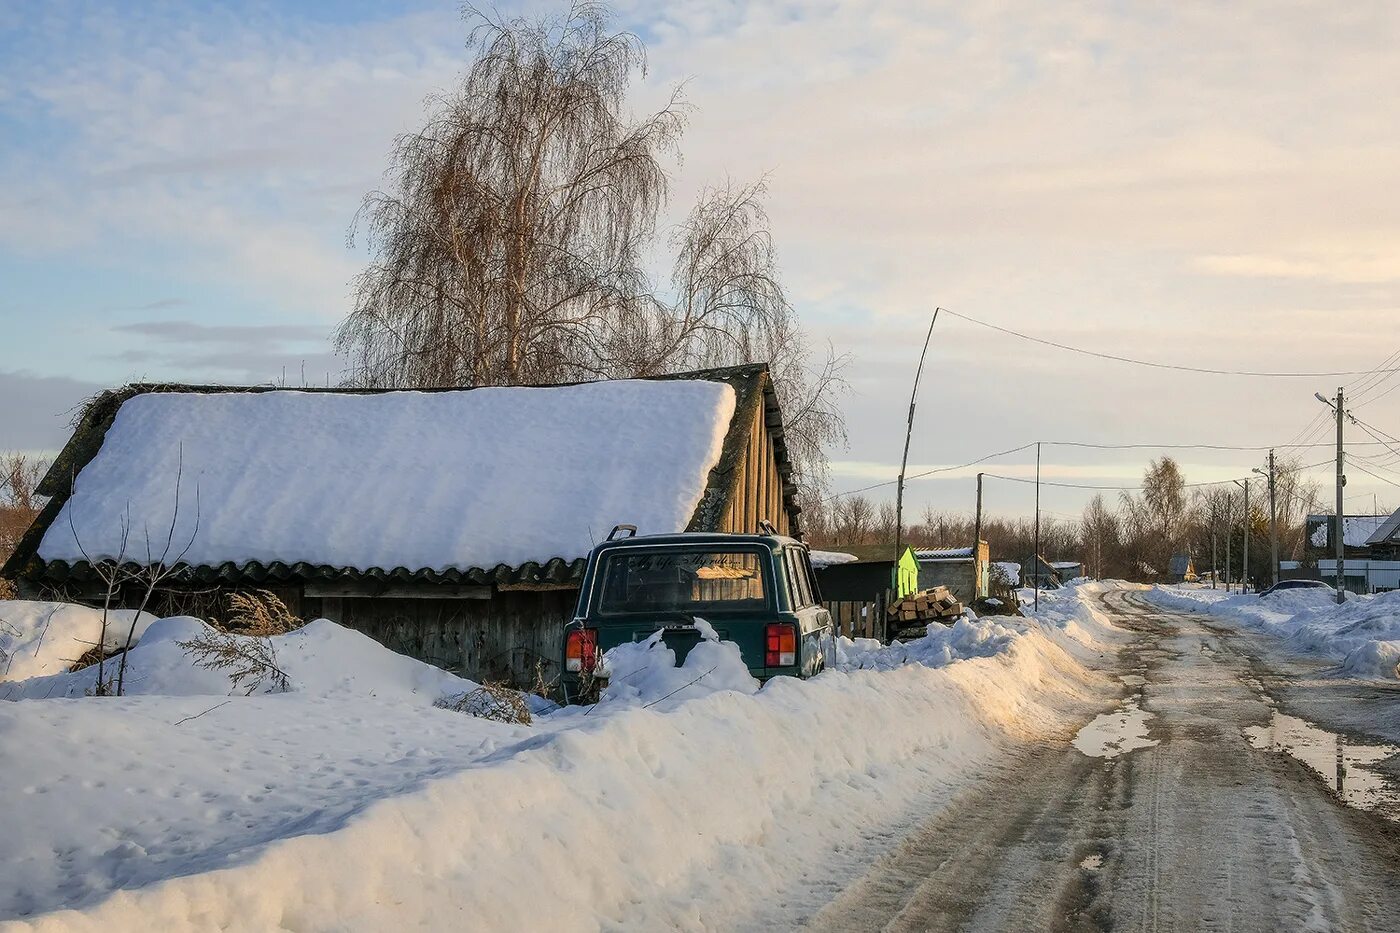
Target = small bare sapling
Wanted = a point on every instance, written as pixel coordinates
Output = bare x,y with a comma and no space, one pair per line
496,702
249,661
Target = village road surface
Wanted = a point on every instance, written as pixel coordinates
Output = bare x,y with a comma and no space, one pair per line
1199,831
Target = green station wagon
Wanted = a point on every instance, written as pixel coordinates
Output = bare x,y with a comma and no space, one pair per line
757,591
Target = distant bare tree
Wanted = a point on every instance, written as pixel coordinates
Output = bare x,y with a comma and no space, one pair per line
730,307
19,501
1157,518
1100,530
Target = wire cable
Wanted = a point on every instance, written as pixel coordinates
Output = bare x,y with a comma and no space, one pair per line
1178,367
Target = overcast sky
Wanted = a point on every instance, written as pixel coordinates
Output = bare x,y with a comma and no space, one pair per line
1213,184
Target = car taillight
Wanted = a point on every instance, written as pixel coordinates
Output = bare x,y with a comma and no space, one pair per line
581,650
782,646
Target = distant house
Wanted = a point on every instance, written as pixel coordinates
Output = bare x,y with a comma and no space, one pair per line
1182,569
963,570
1067,569
866,580
1357,532
856,592
1040,573
452,525
1372,561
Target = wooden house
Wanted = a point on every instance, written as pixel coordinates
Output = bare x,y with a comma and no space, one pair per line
452,525
857,592
963,570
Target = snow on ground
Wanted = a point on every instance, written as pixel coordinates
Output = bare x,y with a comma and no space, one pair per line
350,802
286,475
1363,634
38,638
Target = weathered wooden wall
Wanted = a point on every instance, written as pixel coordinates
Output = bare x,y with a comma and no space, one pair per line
498,639
758,491
859,619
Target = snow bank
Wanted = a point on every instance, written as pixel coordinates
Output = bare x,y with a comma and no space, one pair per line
646,673
1362,634
349,812
321,658
298,476
38,638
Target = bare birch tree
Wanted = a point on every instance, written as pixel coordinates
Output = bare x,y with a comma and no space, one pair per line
508,247
730,307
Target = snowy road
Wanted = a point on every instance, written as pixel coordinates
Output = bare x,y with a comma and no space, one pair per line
1169,818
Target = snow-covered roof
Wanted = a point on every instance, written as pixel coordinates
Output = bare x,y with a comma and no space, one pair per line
403,479
831,558
943,553
1357,530
1064,564
1387,530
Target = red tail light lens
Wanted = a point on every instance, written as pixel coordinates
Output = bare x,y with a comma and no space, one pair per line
782,646
581,650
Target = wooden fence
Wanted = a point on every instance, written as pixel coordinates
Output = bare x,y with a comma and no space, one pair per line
860,619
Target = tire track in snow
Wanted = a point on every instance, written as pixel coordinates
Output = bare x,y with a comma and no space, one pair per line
1201,831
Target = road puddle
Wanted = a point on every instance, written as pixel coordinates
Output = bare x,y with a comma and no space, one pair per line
1343,764
1116,733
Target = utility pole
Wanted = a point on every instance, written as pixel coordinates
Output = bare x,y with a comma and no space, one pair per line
1035,561
909,432
1273,516
977,522
1339,525
1341,543
1244,572
1229,511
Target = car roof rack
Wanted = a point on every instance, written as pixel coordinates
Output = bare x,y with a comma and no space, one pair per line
765,526
630,529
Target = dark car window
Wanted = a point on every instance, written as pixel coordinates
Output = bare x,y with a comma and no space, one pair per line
806,559
797,576
682,580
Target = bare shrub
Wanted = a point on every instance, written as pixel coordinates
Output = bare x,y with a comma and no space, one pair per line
248,660
541,684
259,613
7,589
493,701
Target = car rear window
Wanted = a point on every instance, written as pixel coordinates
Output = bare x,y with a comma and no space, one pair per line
682,580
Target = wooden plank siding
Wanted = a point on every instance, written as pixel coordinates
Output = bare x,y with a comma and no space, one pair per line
758,486
497,639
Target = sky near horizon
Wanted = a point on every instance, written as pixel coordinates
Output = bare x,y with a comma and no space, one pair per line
1209,184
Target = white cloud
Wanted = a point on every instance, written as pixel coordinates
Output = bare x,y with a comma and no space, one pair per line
1213,183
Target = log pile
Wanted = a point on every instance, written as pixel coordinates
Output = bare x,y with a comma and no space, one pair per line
935,605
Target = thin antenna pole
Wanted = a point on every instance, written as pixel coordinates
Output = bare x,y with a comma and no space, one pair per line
977,567
1035,559
1340,537
908,433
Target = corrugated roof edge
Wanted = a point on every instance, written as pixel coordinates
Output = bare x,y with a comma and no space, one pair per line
751,382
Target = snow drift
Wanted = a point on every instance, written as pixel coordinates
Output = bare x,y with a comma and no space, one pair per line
1362,634
675,803
38,638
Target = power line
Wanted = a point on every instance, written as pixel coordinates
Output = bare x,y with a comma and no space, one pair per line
1376,475
1171,366
961,466
1045,482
